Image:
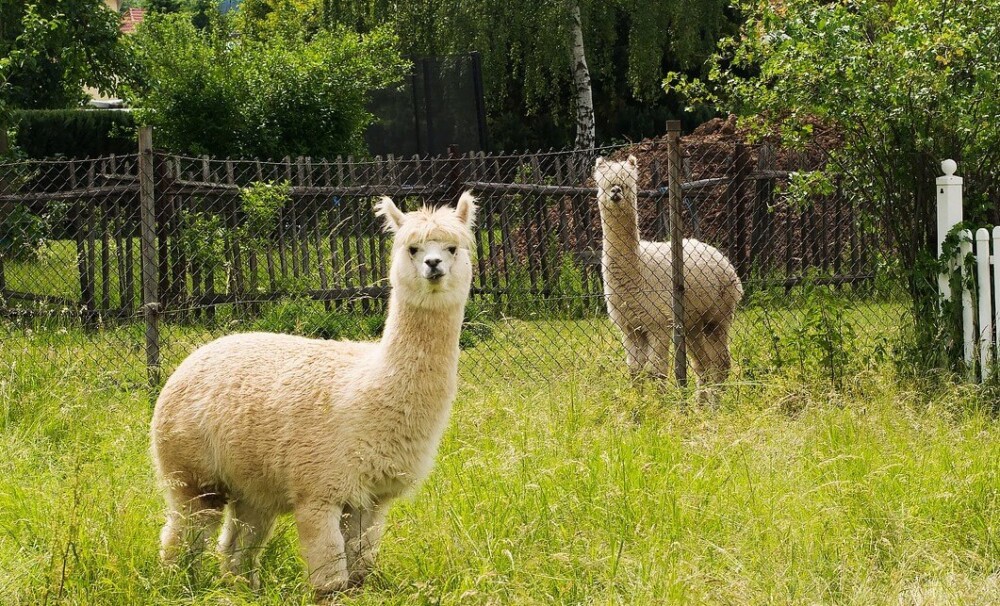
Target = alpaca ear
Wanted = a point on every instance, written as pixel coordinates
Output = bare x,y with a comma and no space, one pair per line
387,209
632,160
465,210
600,162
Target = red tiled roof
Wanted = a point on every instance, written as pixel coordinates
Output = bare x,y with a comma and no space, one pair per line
131,18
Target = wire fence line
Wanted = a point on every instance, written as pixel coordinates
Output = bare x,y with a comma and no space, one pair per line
294,246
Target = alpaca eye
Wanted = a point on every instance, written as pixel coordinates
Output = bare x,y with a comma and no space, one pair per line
413,250
452,249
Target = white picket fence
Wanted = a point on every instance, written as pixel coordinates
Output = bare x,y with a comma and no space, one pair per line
981,302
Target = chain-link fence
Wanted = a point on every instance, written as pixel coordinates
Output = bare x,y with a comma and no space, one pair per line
783,283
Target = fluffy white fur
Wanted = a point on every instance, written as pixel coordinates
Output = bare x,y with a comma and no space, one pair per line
638,285
264,424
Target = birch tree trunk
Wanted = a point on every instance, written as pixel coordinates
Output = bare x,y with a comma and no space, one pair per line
585,136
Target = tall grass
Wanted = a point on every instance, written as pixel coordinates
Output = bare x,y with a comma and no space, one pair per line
562,483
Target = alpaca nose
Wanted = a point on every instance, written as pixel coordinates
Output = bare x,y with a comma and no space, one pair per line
616,190
432,262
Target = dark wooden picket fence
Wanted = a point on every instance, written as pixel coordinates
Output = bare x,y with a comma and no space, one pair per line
538,226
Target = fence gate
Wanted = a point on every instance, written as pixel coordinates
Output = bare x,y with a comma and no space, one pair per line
980,271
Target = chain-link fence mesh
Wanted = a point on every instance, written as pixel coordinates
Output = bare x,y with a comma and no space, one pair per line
784,284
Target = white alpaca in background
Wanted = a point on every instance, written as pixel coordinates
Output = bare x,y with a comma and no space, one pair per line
264,424
638,285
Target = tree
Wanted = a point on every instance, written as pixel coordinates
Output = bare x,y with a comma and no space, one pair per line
906,82
51,49
586,136
527,48
262,93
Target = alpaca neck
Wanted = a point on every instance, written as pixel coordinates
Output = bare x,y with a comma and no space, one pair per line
419,347
621,241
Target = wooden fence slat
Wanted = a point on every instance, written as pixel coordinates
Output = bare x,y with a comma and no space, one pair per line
304,220
91,304
118,227
105,257
232,206
790,240
838,229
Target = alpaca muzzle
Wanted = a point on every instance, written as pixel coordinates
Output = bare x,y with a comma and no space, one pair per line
616,194
432,269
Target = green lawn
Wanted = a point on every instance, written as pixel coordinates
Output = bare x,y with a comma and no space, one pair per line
559,481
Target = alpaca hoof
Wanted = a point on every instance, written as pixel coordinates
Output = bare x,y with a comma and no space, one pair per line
251,582
331,588
357,579
707,396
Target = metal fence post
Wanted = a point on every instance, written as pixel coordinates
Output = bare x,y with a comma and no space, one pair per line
429,105
677,249
477,87
150,279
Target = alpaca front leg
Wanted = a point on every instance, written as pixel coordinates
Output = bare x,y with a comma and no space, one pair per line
322,545
362,528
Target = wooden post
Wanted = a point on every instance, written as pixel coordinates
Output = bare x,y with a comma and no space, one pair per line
4,208
760,220
150,281
660,227
736,195
677,248
455,174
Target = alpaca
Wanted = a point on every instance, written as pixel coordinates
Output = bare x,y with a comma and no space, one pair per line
256,425
638,285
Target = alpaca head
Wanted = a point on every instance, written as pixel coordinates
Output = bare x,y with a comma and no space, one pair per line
431,264
617,183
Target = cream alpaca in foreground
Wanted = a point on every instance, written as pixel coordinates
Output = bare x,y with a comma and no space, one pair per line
263,424
638,285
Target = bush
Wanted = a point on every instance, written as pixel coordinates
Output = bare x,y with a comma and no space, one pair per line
222,92
906,84
23,234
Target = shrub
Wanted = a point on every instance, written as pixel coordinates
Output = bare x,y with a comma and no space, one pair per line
905,83
224,92
22,234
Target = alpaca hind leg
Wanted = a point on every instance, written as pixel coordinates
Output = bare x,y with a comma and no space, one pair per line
362,528
193,518
660,347
322,544
711,350
711,359
244,536
636,350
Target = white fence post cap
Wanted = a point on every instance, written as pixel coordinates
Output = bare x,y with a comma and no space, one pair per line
948,167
